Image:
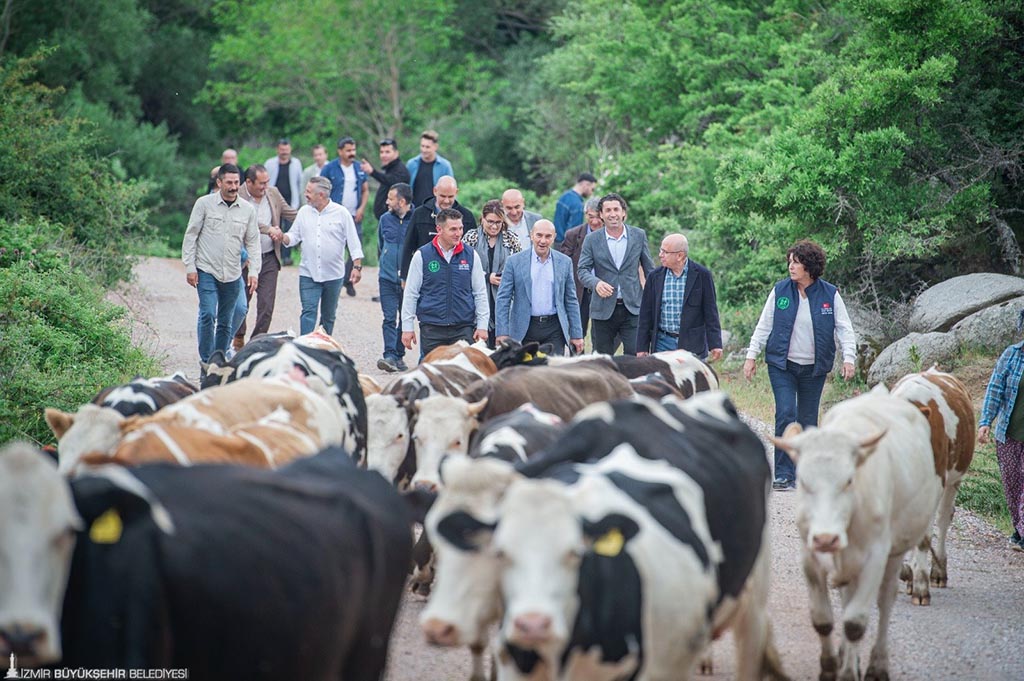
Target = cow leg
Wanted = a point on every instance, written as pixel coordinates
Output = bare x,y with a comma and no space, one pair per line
476,651
919,594
821,614
756,655
707,663
943,518
878,663
849,650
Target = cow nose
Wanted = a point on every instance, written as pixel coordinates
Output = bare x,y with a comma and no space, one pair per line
532,626
425,486
826,543
23,640
440,633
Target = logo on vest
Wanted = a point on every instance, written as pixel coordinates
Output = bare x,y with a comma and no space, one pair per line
434,266
827,309
783,303
463,266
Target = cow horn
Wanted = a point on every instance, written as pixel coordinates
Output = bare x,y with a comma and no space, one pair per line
475,408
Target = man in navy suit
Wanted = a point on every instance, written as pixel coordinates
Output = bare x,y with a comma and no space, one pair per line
610,266
537,297
679,309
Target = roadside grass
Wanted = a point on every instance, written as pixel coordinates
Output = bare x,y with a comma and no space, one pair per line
981,490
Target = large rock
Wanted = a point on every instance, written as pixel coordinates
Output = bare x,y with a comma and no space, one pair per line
993,328
943,305
870,328
911,353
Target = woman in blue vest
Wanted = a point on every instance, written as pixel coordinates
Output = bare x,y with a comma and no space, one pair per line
797,328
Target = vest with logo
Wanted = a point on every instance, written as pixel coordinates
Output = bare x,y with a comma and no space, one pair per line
446,294
821,297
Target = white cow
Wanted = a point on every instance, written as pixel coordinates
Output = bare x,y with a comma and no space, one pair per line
867,492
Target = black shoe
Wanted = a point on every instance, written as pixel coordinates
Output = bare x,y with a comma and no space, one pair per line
387,364
1016,542
350,289
375,299
286,262
783,485
401,365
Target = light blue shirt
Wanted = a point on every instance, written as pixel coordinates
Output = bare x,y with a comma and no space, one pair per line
617,247
542,295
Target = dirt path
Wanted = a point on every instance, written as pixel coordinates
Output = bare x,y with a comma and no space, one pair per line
973,631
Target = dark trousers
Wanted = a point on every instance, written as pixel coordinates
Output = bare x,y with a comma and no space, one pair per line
585,309
348,259
546,329
797,397
266,296
433,336
391,326
607,332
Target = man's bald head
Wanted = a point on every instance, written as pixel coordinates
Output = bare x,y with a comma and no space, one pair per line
674,250
445,192
675,242
514,204
542,235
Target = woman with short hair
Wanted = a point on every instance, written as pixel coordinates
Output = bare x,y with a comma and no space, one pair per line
493,243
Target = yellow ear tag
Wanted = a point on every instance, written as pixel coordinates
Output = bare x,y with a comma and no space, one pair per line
527,357
610,543
107,528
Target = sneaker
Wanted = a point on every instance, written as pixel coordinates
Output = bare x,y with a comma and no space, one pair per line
783,485
375,299
1016,542
350,289
387,364
401,365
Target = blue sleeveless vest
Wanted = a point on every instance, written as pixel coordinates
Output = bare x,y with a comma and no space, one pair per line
821,296
446,294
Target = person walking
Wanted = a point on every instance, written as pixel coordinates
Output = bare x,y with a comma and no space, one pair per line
219,227
537,297
392,171
424,218
493,243
445,289
798,326
569,209
1006,412
326,229
572,246
390,236
427,168
679,310
609,265
285,173
350,189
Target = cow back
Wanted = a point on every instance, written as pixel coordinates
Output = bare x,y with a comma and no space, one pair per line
946,403
562,391
144,396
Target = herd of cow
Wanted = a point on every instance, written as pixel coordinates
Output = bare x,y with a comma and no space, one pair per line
583,518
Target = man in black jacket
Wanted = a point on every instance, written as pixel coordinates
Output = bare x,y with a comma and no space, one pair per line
679,309
392,172
423,227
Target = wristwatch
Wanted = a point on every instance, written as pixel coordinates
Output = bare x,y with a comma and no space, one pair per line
357,267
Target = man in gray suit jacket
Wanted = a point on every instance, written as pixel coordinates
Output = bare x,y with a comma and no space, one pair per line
537,297
609,266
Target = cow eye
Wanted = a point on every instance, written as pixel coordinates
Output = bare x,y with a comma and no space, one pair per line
400,436
849,483
457,443
501,556
63,538
573,557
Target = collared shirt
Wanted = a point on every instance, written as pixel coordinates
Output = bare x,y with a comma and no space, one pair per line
1003,390
263,217
215,236
672,297
521,231
414,280
349,199
324,236
617,247
542,293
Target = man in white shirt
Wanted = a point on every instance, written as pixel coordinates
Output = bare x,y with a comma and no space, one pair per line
219,226
314,168
326,229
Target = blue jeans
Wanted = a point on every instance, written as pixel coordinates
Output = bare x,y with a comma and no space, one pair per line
241,309
325,294
217,301
797,397
665,343
391,306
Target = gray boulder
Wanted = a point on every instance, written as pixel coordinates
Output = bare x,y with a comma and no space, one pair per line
870,328
911,353
943,305
993,328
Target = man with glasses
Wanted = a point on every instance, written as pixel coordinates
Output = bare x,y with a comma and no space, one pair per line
679,309
392,171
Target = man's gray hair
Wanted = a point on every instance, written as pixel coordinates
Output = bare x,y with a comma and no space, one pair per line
321,184
592,204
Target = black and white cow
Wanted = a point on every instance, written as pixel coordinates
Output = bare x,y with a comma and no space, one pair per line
234,573
517,435
620,552
316,354
144,396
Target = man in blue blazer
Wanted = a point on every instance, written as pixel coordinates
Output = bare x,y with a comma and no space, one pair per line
679,309
537,297
610,266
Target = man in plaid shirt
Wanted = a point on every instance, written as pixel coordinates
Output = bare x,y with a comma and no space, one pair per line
679,309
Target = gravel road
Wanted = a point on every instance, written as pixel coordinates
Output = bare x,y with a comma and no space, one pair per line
974,630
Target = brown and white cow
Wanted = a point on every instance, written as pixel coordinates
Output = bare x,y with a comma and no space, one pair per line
867,489
312,406
947,405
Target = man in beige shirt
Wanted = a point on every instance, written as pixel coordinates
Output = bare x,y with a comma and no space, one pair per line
219,227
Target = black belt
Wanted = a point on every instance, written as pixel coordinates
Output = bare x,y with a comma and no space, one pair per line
668,333
620,301
543,318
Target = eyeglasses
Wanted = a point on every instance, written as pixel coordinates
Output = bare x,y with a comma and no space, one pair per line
662,250
494,223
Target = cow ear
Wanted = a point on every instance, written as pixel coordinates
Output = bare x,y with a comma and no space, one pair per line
421,394
786,442
607,536
868,445
418,503
110,497
465,531
476,408
59,421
